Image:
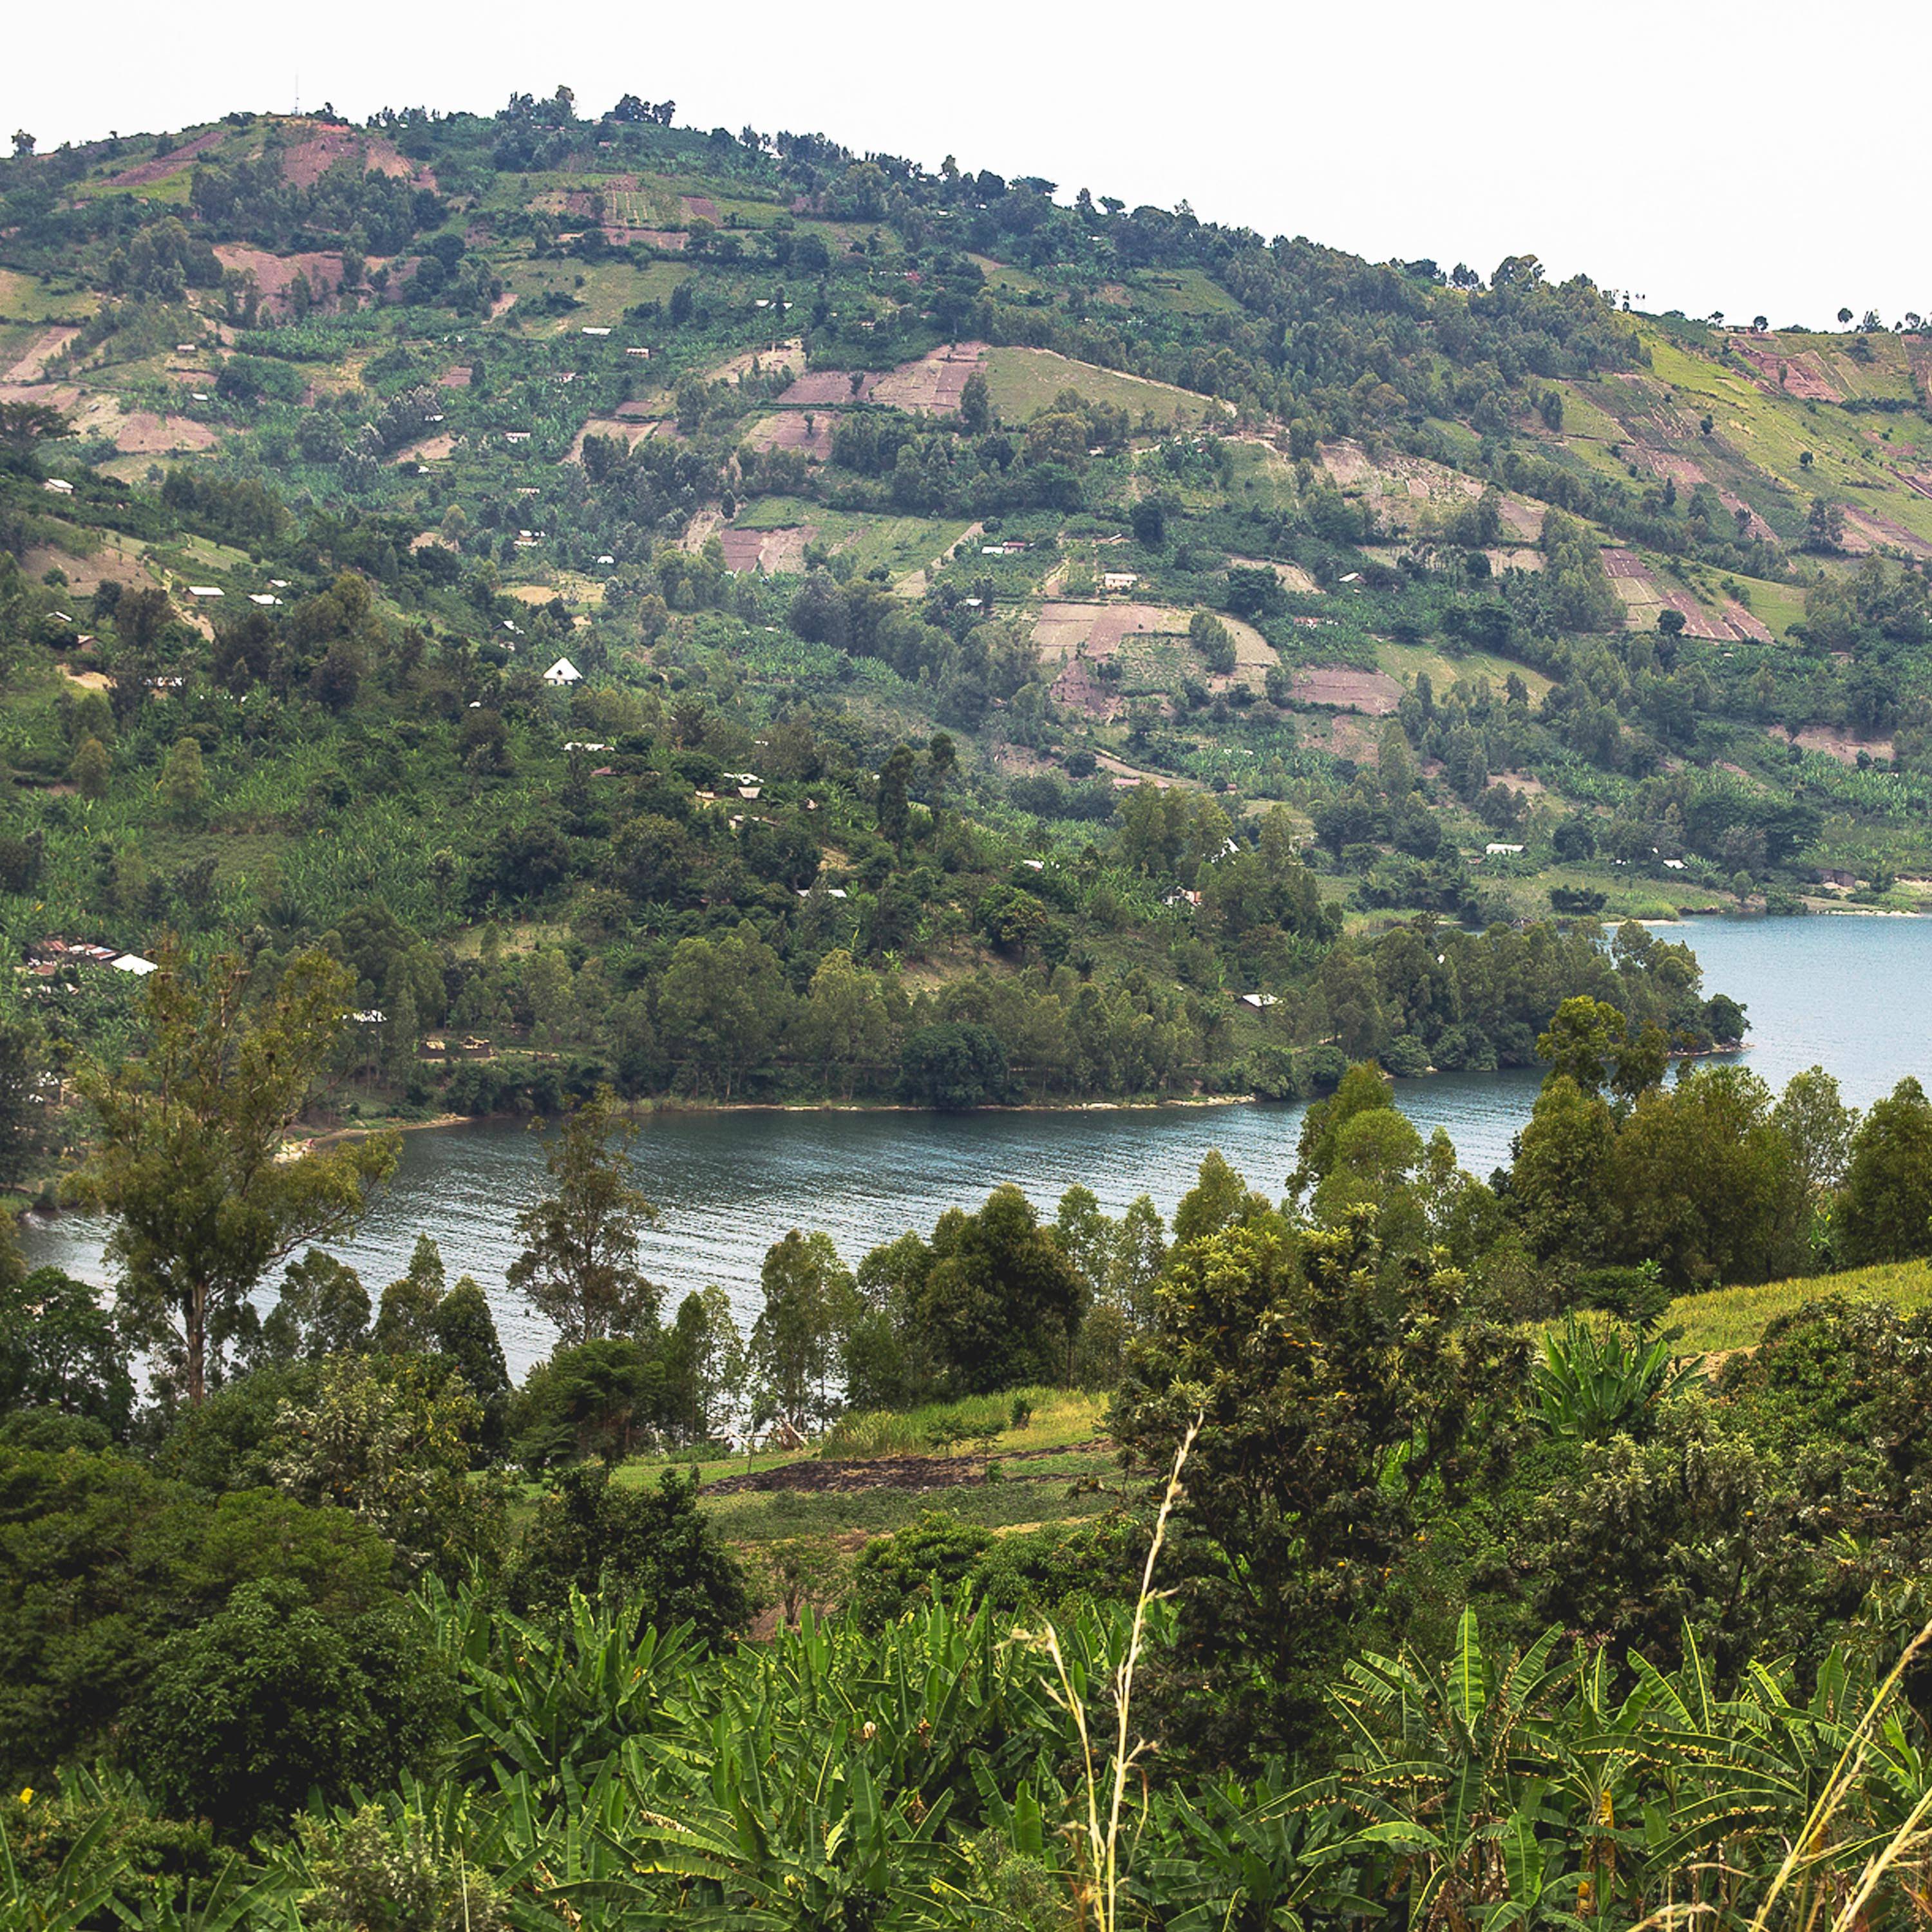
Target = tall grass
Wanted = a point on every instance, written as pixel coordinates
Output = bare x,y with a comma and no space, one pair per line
1736,1317
939,1426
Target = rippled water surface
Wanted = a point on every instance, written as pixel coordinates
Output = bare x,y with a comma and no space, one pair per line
1848,993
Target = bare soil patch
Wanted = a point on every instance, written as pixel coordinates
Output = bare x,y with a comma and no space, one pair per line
671,239
701,208
308,161
144,433
32,366
789,355
1372,693
456,376
1865,530
1802,375
85,574
788,429
1064,629
274,274
145,174
427,449
1291,576
630,434
1841,746
1516,558
829,1476
828,389
63,396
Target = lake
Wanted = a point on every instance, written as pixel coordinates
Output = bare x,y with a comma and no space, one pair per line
1847,993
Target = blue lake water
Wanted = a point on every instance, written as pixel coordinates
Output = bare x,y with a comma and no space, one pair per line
1846,993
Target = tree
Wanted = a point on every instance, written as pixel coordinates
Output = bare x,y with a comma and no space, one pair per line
654,1551
188,1149
1001,1303
1561,1185
1332,1393
810,1301
1817,1126
602,1398
1885,1209
60,1350
406,1324
92,770
323,1310
182,786
579,1263
976,405
843,1023
19,1100
895,778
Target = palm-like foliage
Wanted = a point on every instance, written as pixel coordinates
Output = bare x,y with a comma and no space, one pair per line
1595,1383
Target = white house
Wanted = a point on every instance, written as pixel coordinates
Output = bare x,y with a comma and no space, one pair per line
1258,1000
594,332
203,590
59,485
1493,849
132,962
1120,580
563,672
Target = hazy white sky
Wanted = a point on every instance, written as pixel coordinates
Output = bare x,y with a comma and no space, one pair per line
1747,157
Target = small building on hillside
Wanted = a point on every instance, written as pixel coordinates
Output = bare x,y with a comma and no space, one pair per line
1120,580
563,672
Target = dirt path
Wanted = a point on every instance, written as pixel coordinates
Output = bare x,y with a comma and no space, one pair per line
916,583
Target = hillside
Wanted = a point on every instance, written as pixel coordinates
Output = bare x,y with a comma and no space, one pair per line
1237,602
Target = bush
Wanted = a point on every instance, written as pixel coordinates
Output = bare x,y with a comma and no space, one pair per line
268,1700
651,1548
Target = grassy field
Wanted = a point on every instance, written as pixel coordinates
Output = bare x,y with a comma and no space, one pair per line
1405,660
1054,1467
900,544
1022,381
605,289
1735,1318
34,299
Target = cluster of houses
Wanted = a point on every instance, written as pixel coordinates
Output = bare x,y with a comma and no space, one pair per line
47,958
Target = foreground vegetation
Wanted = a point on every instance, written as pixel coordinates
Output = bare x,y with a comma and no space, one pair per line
1370,1550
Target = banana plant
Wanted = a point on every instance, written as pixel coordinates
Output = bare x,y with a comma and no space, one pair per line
1594,1384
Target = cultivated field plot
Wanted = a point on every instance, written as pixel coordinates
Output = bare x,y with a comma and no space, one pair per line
831,389
793,429
769,552
1834,743
934,384
1408,661
32,367
1067,628
1291,576
29,299
1644,600
1374,694
165,167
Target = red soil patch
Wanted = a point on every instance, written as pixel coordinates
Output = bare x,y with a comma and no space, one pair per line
935,383
1802,375
1522,520
32,366
829,389
456,376
63,396
145,174
1747,625
274,274
768,551
1078,688
701,208
1624,564
1372,693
